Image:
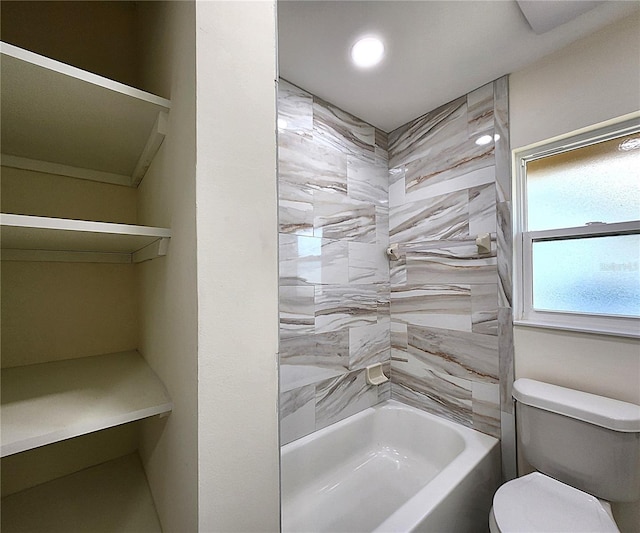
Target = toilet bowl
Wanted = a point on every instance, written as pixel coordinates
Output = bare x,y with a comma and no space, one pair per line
539,503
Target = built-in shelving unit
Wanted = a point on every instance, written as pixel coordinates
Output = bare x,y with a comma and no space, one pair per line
58,119
113,496
62,120
50,402
31,238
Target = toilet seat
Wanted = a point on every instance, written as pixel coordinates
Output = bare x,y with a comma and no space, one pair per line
539,503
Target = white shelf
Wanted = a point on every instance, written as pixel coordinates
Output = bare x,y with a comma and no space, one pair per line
63,120
113,497
50,402
31,238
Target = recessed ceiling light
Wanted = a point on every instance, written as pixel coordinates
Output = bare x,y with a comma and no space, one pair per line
367,52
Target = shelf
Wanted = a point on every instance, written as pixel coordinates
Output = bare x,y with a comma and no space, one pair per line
63,120
31,238
111,497
50,402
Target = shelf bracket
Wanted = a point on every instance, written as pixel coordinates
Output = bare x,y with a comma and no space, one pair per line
155,249
158,133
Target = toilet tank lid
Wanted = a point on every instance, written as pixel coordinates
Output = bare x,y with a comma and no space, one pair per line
598,410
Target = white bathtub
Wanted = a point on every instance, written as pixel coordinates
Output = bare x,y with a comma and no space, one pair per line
390,468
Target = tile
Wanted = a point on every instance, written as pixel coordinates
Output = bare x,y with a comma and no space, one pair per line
435,393
295,217
345,220
383,291
397,190
305,167
505,246
450,263
502,146
455,182
310,260
297,310
344,396
506,358
382,236
368,345
345,306
296,376
398,271
446,162
367,263
415,140
484,308
480,111
485,404
368,181
336,128
461,354
437,306
325,350
295,108
442,217
297,413
381,140
399,338
482,210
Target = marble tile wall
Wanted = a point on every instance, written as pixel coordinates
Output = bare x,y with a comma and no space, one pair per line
334,274
451,350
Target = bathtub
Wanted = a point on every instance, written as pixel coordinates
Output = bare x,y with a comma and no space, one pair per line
390,468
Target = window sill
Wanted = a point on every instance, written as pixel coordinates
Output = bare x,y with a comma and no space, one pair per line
610,331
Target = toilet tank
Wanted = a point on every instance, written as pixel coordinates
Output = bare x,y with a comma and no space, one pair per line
587,441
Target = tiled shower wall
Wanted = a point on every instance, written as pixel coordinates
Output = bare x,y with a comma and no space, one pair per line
442,313
334,275
450,302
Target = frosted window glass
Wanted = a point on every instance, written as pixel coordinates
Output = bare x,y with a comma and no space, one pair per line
597,275
596,183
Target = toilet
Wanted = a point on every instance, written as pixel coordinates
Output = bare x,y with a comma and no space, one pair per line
586,452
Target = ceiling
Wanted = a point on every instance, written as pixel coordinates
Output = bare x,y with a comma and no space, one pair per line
435,50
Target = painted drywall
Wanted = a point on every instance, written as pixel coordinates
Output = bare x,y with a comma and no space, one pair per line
167,286
237,245
591,81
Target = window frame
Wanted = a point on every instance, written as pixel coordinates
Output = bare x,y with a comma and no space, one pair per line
523,240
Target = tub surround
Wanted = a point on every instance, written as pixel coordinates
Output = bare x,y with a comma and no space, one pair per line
440,315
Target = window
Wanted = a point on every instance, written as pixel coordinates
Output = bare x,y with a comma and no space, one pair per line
577,232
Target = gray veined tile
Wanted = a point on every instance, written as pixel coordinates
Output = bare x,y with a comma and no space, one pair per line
304,167
458,353
505,246
482,210
453,182
310,260
297,413
416,139
486,408
295,109
345,306
442,217
367,263
346,220
480,111
433,392
398,271
326,350
484,308
341,130
506,352
297,376
381,140
295,217
399,338
384,303
397,195
297,310
367,181
502,146
368,345
451,263
437,306
342,397
446,161
382,234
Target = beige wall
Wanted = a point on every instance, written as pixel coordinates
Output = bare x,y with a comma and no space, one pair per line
591,81
167,293
238,451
